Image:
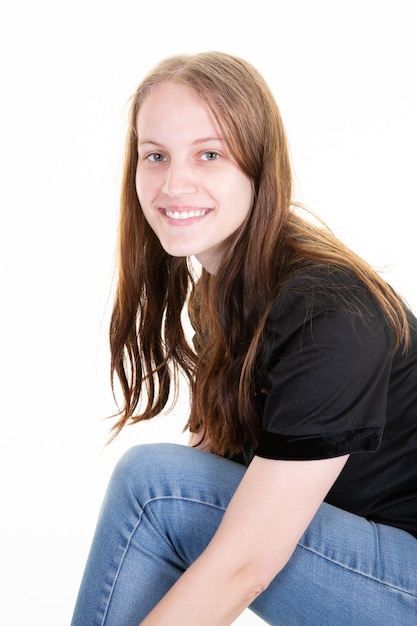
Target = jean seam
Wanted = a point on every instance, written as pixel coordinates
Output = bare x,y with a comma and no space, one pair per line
134,529
186,499
357,572
180,499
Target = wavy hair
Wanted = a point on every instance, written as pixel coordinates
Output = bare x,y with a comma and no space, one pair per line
228,310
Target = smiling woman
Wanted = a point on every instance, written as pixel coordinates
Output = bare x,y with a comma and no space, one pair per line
191,190
301,471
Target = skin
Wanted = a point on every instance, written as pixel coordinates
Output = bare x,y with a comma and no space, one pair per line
195,196
192,192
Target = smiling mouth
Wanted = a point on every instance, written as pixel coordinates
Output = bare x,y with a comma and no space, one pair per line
185,215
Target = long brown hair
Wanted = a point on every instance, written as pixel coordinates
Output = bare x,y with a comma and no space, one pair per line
228,310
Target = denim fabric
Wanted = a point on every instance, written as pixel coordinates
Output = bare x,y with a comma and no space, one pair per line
163,505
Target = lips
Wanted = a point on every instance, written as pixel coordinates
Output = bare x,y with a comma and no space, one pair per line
185,215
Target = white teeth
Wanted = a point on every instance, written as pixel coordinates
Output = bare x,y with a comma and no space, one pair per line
184,215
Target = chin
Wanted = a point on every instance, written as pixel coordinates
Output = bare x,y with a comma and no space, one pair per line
177,252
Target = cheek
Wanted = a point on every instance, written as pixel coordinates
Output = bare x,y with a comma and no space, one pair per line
244,193
148,186
141,194
142,187
237,191
138,184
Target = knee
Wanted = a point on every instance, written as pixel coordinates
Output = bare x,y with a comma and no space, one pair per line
147,471
148,458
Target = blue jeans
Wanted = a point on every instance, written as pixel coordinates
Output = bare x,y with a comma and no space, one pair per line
164,504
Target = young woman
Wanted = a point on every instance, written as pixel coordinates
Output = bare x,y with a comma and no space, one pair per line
298,494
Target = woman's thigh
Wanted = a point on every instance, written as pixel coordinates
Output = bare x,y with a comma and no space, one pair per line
164,504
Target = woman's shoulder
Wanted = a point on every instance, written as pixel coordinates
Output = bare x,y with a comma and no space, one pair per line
319,287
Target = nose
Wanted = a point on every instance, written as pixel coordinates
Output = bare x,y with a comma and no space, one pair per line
180,179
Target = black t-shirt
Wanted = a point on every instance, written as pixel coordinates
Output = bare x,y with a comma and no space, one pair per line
331,384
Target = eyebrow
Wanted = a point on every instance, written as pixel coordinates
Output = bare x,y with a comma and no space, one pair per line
195,143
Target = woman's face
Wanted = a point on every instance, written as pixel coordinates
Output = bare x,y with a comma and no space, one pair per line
192,192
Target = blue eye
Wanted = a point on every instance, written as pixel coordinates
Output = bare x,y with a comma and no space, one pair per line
210,155
155,157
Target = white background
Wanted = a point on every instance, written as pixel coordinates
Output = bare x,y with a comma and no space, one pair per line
344,75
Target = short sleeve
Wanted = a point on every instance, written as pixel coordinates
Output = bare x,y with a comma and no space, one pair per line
325,374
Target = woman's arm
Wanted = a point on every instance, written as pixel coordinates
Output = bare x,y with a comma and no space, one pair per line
272,507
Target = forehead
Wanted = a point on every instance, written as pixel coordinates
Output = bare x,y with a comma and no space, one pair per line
170,106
